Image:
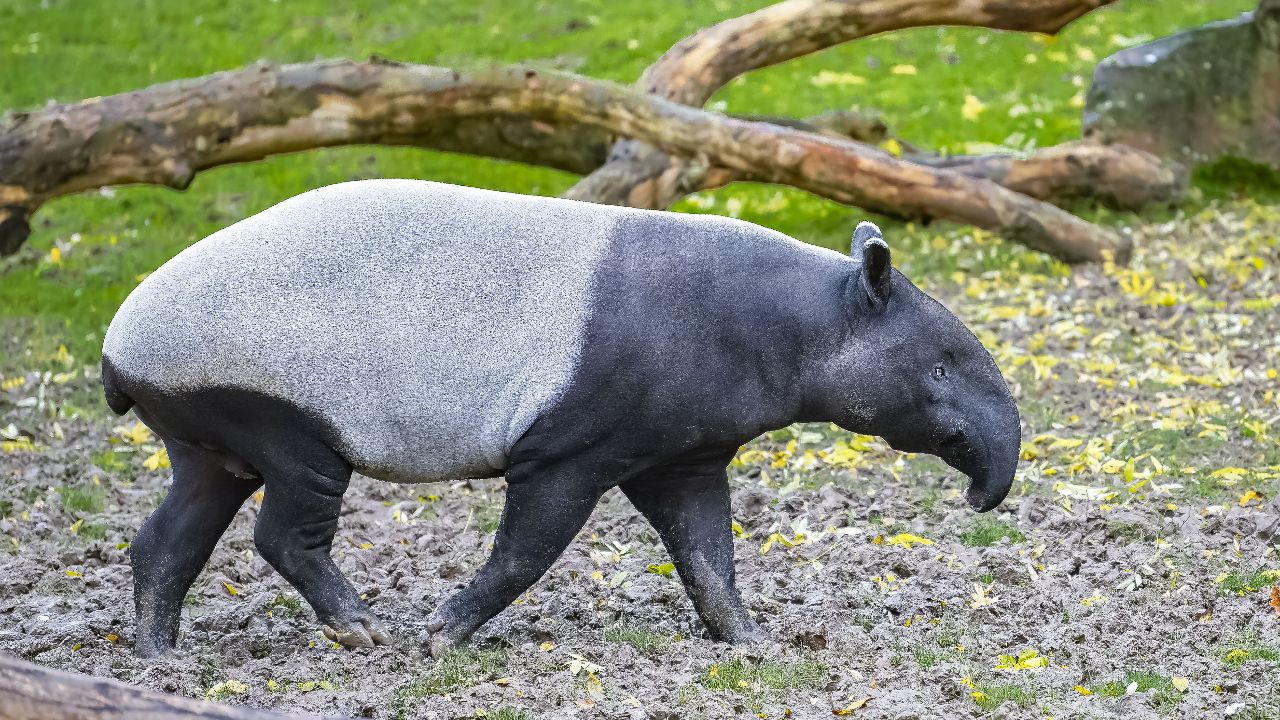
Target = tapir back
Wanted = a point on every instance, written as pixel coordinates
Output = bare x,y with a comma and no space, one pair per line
427,325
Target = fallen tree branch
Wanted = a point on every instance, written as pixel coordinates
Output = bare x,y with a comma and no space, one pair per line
1114,175
32,692
166,134
696,67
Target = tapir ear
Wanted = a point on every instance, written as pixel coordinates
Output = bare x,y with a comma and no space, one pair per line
877,266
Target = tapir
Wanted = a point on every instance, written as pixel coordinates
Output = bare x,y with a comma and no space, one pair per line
415,331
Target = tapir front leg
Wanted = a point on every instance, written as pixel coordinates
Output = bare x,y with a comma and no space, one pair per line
300,507
175,542
692,516
543,512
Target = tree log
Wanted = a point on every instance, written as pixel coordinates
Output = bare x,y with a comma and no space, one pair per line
32,692
696,67
1117,176
166,134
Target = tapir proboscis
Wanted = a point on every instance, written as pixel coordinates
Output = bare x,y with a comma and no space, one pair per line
415,331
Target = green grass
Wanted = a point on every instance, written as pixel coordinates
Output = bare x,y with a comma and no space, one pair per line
94,531
646,642
927,658
113,462
83,498
986,532
990,697
1165,693
66,51
742,677
1242,582
458,669
509,713
1248,647
287,605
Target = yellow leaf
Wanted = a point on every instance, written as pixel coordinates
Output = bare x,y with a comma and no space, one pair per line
112,638
1082,690
738,532
158,460
855,705
827,77
664,569
904,70
134,434
74,573
504,681
547,646
972,108
981,598
1249,496
893,147
1029,659
906,540
230,589
1180,683
75,526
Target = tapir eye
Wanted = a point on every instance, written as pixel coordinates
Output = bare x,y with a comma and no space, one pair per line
939,371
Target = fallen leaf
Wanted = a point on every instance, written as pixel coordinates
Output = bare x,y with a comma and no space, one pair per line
906,540
230,589
904,70
972,108
855,705
1181,683
158,460
664,569
1275,599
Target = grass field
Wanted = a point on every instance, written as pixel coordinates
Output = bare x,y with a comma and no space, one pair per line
1128,575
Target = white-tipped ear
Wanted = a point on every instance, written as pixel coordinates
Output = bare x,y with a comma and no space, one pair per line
877,265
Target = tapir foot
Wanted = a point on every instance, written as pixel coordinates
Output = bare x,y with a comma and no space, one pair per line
357,631
445,636
148,648
745,634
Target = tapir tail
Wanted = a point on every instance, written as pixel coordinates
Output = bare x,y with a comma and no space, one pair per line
117,400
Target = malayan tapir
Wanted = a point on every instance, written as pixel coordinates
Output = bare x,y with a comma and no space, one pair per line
415,331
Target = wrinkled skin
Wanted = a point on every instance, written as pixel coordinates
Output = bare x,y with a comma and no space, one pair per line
680,369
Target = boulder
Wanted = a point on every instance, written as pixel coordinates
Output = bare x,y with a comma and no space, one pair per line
1196,96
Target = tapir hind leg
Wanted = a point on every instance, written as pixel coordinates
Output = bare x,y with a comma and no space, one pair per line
541,517
300,507
692,516
175,542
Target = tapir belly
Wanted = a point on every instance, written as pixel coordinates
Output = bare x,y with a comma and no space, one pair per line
426,327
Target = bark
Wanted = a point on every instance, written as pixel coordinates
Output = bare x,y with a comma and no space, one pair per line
31,692
1117,176
166,134
696,67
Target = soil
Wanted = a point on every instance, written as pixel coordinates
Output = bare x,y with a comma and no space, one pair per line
1105,593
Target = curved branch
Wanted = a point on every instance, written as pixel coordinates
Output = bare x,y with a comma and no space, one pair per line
696,67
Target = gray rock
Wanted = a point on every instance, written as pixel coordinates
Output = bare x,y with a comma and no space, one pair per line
1196,96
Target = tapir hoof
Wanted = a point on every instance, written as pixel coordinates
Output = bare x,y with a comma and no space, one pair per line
152,649
356,632
445,636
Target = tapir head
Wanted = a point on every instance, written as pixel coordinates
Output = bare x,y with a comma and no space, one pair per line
913,374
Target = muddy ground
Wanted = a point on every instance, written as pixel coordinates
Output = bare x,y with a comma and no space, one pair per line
1128,575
